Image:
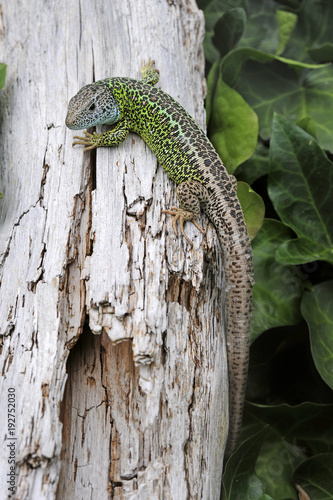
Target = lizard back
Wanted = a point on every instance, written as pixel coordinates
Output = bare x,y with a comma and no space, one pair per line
187,155
185,152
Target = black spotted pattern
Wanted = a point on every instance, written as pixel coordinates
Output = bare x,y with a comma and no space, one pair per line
186,154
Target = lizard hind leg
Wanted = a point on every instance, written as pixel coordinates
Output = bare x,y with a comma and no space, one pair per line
150,75
191,195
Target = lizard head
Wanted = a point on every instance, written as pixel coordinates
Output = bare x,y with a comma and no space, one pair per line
92,105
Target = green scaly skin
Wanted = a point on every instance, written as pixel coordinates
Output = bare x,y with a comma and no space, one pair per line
189,158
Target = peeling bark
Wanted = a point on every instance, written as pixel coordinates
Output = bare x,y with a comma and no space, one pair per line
84,247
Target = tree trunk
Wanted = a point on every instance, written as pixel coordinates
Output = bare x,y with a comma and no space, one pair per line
85,249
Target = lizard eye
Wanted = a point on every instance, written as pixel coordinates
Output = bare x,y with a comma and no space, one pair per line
92,107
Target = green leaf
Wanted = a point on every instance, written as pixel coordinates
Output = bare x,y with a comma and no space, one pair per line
275,467
313,32
261,31
229,29
317,309
323,53
2,83
212,79
256,166
317,97
233,126
253,208
315,476
286,22
301,189
299,35
307,90
272,306
308,125
234,60
239,478
213,11
294,4
258,25
259,75
272,447
2,75
263,464
307,424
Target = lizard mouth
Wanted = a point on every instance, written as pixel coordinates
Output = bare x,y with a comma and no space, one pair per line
70,122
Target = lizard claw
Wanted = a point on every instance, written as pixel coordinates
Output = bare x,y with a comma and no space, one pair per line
86,141
182,216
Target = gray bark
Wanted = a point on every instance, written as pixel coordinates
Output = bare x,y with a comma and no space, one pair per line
139,411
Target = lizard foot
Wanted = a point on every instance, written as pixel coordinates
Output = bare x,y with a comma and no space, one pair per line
90,141
182,216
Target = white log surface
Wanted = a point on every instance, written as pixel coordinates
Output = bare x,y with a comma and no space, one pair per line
144,412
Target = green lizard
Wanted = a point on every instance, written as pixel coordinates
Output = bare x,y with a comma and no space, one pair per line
186,154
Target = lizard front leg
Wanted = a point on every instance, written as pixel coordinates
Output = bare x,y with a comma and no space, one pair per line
191,195
108,139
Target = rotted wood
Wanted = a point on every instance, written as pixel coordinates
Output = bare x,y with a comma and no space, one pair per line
112,331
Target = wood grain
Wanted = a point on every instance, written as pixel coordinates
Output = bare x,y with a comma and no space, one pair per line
144,414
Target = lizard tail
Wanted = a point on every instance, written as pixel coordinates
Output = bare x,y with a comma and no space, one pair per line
237,262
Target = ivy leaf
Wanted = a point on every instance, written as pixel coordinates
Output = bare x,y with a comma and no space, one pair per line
2,83
257,25
286,23
272,306
308,125
253,208
270,451
323,53
293,430
229,29
232,63
212,79
315,476
2,75
267,28
275,467
307,90
311,40
296,424
233,126
317,309
213,11
261,31
256,166
301,189
239,478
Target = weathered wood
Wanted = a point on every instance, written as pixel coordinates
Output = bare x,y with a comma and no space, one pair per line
144,411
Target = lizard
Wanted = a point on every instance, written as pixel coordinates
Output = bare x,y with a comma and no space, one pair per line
189,158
